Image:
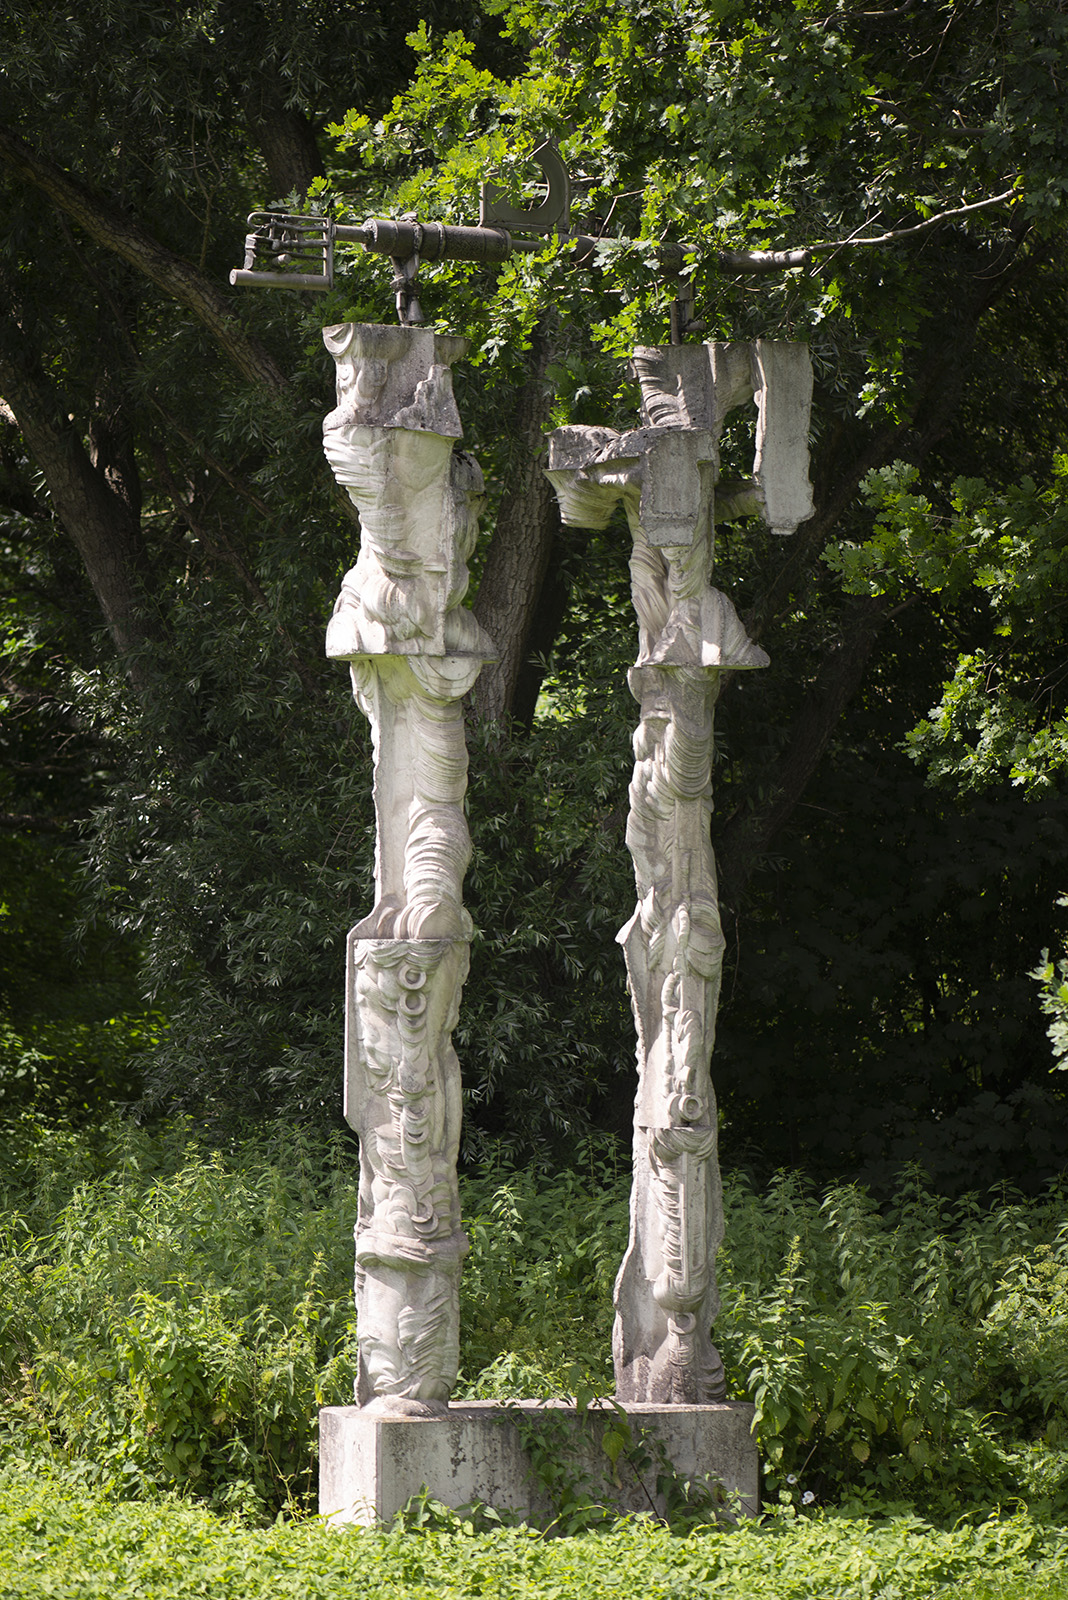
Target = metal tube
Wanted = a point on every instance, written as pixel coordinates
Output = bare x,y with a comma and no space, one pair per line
278,280
405,238
431,241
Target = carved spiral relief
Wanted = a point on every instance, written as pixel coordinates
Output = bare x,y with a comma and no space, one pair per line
404,1097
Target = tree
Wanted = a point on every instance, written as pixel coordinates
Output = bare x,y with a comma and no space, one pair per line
741,126
138,412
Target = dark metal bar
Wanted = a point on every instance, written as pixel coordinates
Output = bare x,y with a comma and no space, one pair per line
259,279
292,239
296,252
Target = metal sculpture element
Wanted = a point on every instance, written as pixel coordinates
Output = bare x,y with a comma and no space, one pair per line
549,217
297,252
414,653
666,475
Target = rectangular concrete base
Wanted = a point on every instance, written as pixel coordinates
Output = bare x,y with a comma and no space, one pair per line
369,1467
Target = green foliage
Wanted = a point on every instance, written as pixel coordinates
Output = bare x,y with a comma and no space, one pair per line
747,126
56,1538
188,802
171,1318
555,1469
1052,976
876,1007
880,1011
1002,713
998,559
877,1346
545,1032
174,1320
875,1015
73,1029
536,1292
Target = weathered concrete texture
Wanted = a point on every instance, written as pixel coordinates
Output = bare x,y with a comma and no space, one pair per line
414,651
370,1466
393,377
696,386
666,473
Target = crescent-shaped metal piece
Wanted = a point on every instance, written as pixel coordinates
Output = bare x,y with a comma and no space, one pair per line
550,217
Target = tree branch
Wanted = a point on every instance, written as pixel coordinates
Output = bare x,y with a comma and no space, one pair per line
920,227
177,277
29,822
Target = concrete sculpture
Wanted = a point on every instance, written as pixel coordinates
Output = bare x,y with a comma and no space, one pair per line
666,475
414,653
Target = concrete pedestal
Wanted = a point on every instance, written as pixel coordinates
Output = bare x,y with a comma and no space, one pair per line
370,1466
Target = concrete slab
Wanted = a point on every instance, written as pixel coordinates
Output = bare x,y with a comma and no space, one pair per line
370,1466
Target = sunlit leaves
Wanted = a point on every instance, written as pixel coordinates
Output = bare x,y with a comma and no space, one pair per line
1004,709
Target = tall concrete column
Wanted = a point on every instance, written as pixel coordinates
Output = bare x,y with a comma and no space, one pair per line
414,652
666,474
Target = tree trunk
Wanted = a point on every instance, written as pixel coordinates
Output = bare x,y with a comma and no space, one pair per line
94,501
285,139
519,551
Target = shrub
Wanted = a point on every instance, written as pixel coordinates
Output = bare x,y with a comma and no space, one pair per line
179,1319
58,1539
172,1317
915,1352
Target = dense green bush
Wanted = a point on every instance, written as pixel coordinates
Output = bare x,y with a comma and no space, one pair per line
172,1316
172,1320
915,1352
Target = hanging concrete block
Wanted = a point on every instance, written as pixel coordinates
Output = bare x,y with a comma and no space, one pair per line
665,474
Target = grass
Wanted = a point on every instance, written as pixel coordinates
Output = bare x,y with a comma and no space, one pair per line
61,1541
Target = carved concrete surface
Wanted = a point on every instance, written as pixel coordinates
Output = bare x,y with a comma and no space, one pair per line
696,386
666,476
414,652
402,1095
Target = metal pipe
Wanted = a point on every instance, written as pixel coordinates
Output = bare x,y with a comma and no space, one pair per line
433,241
405,239
260,279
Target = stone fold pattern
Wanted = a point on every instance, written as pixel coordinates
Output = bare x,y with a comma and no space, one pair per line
414,652
666,474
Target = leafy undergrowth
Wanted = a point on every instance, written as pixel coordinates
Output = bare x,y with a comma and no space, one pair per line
61,1541
918,1352
171,1317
